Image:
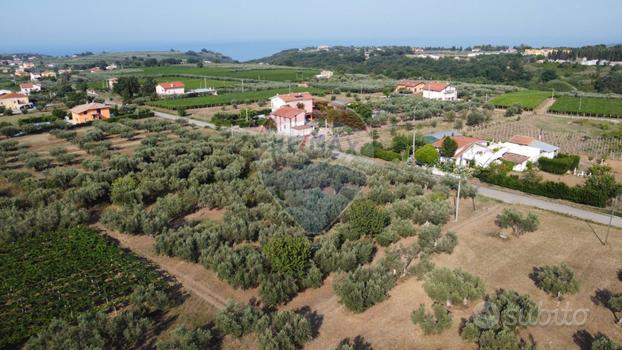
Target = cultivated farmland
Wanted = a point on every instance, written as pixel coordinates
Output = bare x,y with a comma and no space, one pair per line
74,270
591,106
243,97
197,83
528,99
272,74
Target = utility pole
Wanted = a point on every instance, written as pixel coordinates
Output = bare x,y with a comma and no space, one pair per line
580,102
242,85
614,202
414,137
458,197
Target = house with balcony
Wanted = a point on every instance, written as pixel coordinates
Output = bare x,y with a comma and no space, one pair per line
291,121
28,88
440,91
171,88
299,100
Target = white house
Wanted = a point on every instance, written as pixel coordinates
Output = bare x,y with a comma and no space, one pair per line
301,100
170,89
291,121
470,150
35,76
325,74
546,150
520,155
440,91
112,82
27,88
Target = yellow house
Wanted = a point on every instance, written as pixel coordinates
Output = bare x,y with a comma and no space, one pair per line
89,112
14,100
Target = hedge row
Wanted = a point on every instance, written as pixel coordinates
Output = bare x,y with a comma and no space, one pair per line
376,151
551,189
561,164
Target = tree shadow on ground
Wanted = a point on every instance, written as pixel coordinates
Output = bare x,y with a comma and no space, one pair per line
358,343
315,319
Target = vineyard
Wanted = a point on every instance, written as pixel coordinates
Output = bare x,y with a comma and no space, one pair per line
60,274
528,99
225,99
572,143
588,106
197,83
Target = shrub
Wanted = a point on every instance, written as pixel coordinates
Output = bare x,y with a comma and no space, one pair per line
603,342
237,319
277,288
432,324
288,254
495,327
183,338
427,155
363,288
125,191
449,147
284,330
561,164
334,254
475,118
364,217
453,286
519,224
555,280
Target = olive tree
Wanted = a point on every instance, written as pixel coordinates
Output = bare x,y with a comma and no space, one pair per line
520,224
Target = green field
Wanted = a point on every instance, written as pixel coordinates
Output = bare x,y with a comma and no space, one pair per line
225,99
529,99
196,83
60,274
593,106
272,74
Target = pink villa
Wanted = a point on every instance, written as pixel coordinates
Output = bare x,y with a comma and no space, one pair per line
302,100
291,121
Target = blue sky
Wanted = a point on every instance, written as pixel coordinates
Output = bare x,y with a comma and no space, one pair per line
67,26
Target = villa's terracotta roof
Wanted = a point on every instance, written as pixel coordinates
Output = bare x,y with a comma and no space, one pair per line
435,86
12,95
287,112
297,96
522,140
87,107
172,85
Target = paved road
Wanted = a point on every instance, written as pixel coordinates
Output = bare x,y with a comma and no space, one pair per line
514,198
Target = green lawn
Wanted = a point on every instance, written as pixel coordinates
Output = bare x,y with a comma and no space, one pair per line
601,107
195,83
224,99
272,74
529,99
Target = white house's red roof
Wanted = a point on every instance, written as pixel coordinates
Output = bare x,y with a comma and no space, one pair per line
12,95
26,85
435,86
88,107
463,142
297,96
287,112
409,83
172,85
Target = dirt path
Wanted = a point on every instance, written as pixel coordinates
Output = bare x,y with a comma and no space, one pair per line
194,277
543,108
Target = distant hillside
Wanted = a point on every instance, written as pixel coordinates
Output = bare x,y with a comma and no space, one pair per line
129,58
398,62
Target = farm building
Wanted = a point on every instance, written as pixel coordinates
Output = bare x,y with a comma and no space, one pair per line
325,74
89,112
470,150
291,121
440,91
27,88
546,150
170,89
300,100
414,86
14,101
